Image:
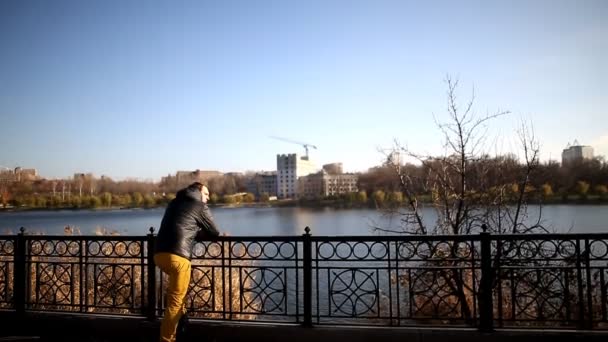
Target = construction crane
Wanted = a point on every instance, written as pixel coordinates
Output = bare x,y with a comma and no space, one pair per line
306,146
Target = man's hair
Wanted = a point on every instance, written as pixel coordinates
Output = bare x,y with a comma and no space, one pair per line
197,185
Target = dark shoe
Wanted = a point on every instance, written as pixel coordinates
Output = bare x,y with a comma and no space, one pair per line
182,325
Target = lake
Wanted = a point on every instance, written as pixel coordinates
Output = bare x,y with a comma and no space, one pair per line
275,221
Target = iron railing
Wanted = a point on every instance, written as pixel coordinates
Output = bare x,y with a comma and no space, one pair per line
483,280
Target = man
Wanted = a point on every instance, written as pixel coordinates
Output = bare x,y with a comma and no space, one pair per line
187,219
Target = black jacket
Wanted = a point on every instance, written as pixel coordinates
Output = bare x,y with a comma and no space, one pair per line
187,219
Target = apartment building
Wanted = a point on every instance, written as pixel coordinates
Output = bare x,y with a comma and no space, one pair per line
323,184
263,182
290,167
576,152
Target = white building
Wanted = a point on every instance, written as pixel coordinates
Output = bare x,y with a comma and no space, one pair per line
323,184
289,168
576,153
18,174
340,184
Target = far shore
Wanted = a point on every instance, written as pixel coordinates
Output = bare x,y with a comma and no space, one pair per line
337,204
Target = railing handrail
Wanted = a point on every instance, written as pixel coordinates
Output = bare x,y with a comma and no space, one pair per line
404,237
486,265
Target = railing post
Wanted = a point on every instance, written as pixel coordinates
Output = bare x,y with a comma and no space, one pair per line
151,277
19,280
486,307
307,281
579,280
589,287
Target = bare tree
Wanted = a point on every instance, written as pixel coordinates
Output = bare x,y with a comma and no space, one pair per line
468,188
54,185
5,194
80,182
92,185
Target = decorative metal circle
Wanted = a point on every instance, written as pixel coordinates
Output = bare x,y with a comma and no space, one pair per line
107,248
120,248
134,248
199,250
264,286
442,249
214,250
423,250
326,250
6,247
548,249
361,250
74,248
406,250
287,250
566,249
379,250
61,247
54,283
344,250
238,250
598,249
94,248
542,293
254,249
48,247
114,285
353,292
433,295
200,292
270,250
527,249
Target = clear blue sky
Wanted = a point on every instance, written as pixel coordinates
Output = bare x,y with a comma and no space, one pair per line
145,88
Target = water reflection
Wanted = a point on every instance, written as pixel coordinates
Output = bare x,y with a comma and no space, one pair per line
276,221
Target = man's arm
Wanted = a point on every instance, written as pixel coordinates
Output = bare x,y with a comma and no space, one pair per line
206,224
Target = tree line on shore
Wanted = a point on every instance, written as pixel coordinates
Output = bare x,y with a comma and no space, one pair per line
549,182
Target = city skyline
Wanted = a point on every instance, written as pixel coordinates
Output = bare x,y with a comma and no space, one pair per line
253,171
141,89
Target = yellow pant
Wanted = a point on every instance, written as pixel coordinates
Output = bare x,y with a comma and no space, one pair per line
178,269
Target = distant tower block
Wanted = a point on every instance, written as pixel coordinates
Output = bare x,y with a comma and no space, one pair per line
289,168
576,153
